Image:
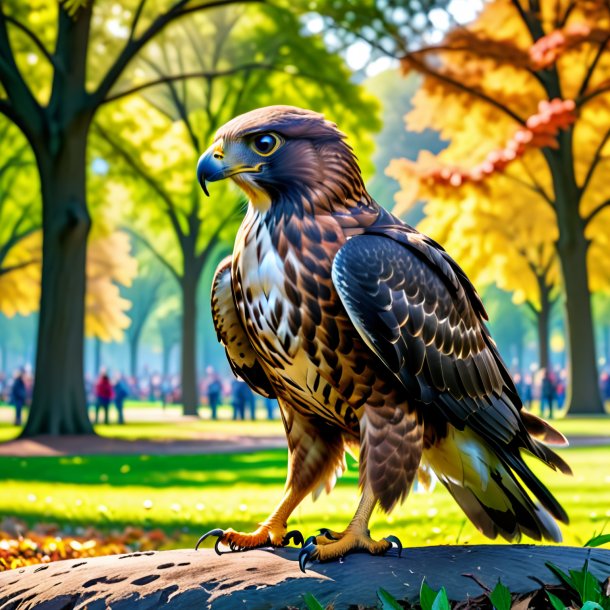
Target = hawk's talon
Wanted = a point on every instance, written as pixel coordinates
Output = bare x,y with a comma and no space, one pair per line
395,542
324,531
215,532
308,552
310,540
295,536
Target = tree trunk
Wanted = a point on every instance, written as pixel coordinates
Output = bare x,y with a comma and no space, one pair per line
583,396
59,404
542,323
543,319
134,344
97,356
190,394
167,353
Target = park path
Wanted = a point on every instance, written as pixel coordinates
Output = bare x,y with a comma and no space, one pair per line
95,445
47,446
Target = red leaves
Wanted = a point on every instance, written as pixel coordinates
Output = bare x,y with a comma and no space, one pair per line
43,547
541,130
547,50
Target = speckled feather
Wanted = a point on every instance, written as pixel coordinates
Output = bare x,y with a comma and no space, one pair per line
368,332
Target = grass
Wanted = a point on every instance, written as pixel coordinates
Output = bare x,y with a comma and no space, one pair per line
193,493
150,421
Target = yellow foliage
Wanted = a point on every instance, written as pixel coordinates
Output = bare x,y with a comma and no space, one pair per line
109,264
20,288
504,227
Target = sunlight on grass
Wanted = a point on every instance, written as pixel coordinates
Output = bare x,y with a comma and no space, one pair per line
194,493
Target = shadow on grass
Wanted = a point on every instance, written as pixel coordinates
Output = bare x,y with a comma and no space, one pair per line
210,470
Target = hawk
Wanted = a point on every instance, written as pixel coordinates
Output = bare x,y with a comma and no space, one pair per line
370,336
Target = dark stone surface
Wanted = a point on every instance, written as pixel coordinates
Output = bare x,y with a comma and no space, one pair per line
268,579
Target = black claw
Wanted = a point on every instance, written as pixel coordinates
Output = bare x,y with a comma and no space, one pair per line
305,555
310,540
295,536
217,532
393,540
324,531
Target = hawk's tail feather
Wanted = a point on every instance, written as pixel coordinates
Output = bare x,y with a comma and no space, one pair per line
489,487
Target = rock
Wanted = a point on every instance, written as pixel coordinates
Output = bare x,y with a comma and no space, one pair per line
269,579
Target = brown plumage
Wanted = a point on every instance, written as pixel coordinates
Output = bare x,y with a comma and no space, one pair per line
369,335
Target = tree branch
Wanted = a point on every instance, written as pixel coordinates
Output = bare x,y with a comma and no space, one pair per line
215,237
596,159
596,211
153,184
421,66
146,243
587,97
533,186
18,266
179,77
566,15
136,19
32,36
134,45
23,110
600,51
179,104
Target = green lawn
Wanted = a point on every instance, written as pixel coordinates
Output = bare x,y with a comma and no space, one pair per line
196,493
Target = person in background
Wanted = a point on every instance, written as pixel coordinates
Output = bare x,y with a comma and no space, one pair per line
606,388
213,390
238,394
250,401
103,395
18,396
528,391
548,394
121,392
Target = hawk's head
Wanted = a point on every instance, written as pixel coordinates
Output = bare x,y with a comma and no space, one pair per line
281,151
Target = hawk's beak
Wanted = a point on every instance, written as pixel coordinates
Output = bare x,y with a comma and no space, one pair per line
211,167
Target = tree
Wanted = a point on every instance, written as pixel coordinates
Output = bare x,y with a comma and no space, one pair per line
525,89
19,220
393,140
169,325
144,295
53,104
181,121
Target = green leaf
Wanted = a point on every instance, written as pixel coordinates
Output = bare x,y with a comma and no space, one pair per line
598,540
555,602
442,601
591,606
500,597
388,602
427,596
585,584
312,603
563,577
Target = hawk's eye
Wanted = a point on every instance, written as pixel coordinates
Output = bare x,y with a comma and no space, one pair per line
265,143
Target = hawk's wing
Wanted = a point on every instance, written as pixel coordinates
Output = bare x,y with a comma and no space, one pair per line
421,316
231,333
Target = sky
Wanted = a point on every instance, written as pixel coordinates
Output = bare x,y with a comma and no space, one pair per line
358,55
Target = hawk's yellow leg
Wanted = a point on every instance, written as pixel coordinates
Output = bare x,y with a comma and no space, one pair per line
271,532
356,537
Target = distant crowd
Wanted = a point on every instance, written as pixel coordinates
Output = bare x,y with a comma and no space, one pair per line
106,392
